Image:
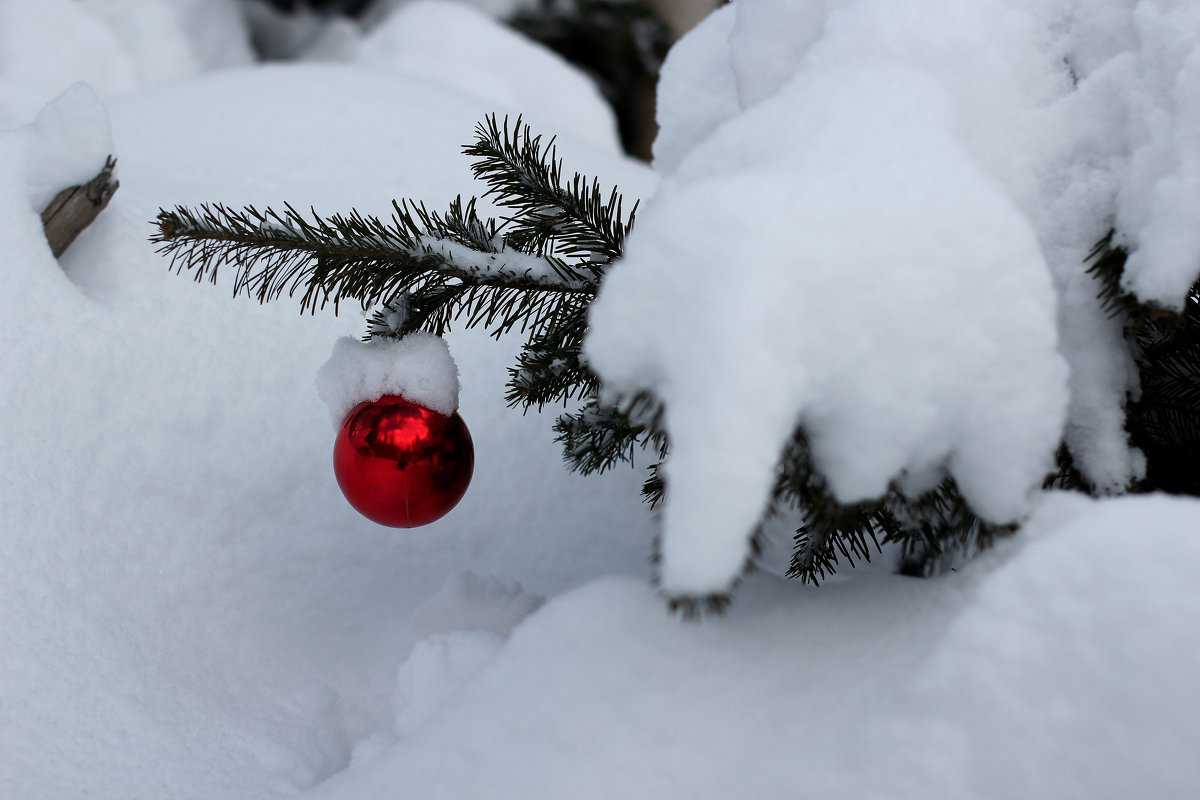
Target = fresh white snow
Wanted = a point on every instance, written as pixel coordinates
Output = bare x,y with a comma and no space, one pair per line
419,367
873,220
189,609
887,293
438,42
1017,679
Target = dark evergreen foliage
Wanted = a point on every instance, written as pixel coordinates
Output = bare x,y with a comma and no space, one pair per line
537,270
346,7
621,44
1164,420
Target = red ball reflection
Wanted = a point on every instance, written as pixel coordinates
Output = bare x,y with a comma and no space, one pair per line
400,464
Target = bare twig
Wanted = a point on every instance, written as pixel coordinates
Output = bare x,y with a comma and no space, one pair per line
74,208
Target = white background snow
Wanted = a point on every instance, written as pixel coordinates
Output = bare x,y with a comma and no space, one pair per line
189,609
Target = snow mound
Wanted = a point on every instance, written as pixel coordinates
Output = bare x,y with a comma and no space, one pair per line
194,612
201,614
455,634
469,602
454,45
1080,655
65,145
116,46
1059,667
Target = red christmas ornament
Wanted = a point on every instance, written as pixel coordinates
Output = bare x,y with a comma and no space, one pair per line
400,464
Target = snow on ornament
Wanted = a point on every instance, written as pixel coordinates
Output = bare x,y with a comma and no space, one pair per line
403,456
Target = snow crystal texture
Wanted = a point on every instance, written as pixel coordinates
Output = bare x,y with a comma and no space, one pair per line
873,225
418,367
822,252
190,610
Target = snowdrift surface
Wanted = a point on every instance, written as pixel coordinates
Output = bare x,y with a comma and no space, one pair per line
1056,669
188,609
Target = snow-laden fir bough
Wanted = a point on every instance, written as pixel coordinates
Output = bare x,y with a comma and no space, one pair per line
535,272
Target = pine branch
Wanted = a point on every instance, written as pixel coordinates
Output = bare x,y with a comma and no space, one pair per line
1164,422
830,527
1067,476
938,530
933,531
597,437
515,275
549,373
574,220
449,266
833,533
1107,261
550,368
654,488
693,607
537,272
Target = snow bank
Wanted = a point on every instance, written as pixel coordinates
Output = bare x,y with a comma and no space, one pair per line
65,145
1077,657
200,614
116,46
439,42
1058,668
454,634
194,612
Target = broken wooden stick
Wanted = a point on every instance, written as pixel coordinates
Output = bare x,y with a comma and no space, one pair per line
74,208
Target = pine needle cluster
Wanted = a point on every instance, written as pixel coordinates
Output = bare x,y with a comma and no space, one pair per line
1163,421
535,272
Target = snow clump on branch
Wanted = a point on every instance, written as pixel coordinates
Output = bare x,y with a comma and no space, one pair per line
872,224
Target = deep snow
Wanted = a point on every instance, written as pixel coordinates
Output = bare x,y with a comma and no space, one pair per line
189,609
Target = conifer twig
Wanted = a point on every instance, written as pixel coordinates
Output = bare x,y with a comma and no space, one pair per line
537,271
525,175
